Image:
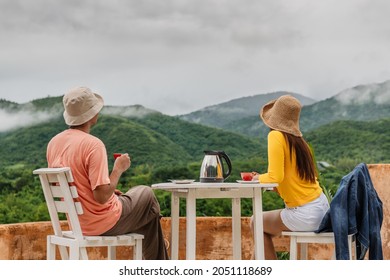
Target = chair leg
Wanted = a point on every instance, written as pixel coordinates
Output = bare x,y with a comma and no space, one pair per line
334,254
303,251
293,248
352,247
74,252
83,253
111,252
63,252
137,250
50,249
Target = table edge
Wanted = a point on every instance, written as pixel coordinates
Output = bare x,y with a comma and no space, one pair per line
195,185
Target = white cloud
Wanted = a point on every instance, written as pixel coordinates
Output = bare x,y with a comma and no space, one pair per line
127,111
177,56
13,120
379,93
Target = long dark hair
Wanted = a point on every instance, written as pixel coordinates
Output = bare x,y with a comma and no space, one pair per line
305,160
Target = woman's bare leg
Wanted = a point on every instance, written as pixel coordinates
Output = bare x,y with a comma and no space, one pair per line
273,226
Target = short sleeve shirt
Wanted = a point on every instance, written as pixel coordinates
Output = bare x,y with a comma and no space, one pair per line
86,156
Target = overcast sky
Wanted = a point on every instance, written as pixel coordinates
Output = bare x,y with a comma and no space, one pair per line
177,56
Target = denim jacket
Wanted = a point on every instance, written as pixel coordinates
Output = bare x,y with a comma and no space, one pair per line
355,209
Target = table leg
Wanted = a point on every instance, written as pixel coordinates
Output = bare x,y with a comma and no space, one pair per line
175,203
236,228
191,225
258,224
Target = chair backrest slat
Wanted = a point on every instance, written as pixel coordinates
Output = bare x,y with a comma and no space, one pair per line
61,197
57,192
61,207
79,208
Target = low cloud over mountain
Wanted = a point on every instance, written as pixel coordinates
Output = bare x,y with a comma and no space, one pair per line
10,121
377,93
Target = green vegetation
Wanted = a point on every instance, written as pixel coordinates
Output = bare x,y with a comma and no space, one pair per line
345,143
164,147
161,148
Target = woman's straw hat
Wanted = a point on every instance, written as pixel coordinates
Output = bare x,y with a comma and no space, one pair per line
282,114
81,105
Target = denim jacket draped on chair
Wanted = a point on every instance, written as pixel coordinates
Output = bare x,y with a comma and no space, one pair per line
355,209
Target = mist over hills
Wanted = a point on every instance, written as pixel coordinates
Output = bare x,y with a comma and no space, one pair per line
363,102
153,139
234,126
360,103
241,115
14,116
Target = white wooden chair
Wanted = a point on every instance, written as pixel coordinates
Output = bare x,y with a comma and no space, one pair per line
61,197
304,238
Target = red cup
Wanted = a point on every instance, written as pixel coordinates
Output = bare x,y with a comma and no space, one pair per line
246,176
116,155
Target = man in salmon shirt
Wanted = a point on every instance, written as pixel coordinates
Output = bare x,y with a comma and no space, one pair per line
106,210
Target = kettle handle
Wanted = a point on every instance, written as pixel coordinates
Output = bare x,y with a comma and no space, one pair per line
229,163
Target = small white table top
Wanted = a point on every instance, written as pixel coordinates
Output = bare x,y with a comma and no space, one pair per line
195,185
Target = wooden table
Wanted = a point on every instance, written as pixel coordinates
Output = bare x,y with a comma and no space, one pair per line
197,190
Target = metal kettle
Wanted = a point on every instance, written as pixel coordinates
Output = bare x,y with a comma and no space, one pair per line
212,169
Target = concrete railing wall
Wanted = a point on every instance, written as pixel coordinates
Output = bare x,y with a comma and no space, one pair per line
24,241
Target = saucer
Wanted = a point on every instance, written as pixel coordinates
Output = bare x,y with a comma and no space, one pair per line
247,182
184,181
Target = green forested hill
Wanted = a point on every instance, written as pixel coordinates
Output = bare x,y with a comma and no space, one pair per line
154,139
164,147
352,141
27,145
161,148
195,138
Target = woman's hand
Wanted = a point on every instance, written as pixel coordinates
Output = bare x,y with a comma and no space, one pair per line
255,176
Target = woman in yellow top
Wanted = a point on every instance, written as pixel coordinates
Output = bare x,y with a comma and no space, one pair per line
291,165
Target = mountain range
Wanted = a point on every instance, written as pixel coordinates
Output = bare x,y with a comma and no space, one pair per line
149,137
363,102
222,115
344,125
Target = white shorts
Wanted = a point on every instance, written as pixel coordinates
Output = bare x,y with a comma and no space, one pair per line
306,217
